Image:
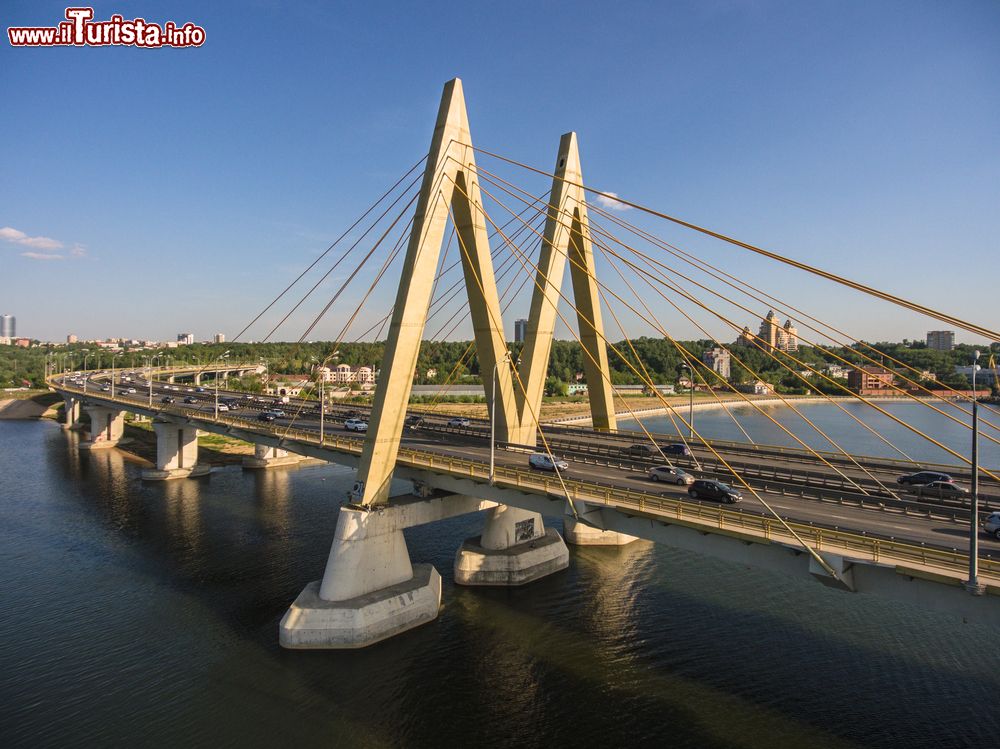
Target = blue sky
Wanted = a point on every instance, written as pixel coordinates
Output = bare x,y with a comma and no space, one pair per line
181,189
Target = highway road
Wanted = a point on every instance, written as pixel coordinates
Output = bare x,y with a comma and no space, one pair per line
473,443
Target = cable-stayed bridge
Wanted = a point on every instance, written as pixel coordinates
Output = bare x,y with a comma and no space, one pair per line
830,514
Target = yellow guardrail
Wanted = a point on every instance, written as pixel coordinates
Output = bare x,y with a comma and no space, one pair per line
760,528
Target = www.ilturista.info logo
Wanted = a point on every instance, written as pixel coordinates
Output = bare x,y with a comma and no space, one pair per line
80,30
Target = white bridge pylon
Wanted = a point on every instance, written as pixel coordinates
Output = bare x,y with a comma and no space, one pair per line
451,187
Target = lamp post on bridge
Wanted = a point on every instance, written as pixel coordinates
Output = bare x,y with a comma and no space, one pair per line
113,357
973,585
149,378
86,352
219,359
493,414
690,399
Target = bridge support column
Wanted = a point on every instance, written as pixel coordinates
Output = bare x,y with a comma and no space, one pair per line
270,457
176,453
106,427
515,548
587,528
197,379
72,420
171,379
369,591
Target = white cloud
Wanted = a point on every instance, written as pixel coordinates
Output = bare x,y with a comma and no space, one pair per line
41,256
608,201
78,250
19,237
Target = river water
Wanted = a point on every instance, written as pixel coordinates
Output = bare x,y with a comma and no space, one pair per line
857,427
145,614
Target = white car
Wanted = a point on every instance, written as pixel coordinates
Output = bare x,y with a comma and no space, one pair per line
130,391
458,421
992,525
356,425
545,462
223,407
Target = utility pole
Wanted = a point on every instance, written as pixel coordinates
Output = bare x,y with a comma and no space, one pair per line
973,585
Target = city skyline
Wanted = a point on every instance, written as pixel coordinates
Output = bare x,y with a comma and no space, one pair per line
822,157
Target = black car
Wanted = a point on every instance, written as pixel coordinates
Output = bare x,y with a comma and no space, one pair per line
637,451
168,399
413,422
266,416
676,449
708,489
190,399
923,477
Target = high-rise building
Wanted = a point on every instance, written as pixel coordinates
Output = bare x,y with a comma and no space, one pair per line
768,333
788,337
71,338
520,330
941,340
219,338
186,338
8,326
719,360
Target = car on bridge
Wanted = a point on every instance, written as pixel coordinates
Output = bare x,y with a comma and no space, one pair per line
266,416
676,448
942,489
356,425
923,477
167,399
222,407
670,475
638,451
458,421
992,525
190,399
546,462
413,422
709,489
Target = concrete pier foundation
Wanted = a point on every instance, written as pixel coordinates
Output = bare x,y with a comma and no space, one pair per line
73,410
581,534
369,591
106,427
515,548
270,457
176,453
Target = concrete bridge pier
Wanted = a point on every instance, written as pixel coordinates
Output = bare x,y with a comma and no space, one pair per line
197,379
270,457
73,409
106,427
369,591
176,453
586,529
515,548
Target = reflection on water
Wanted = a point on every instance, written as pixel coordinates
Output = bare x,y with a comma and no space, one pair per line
146,613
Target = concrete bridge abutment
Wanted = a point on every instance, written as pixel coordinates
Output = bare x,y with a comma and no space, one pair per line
176,453
586,528
515,548
270,457
106,427
72,413
369,591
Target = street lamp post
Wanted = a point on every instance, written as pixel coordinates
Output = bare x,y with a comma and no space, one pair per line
219,359
690,399
149,378
113,357
973,585
85,377
493,415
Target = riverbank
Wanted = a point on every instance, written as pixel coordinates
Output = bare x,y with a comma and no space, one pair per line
29,404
